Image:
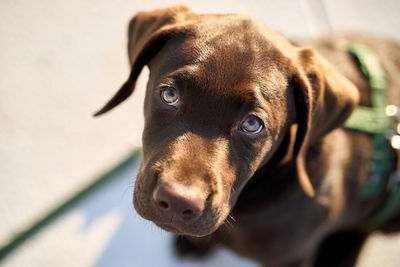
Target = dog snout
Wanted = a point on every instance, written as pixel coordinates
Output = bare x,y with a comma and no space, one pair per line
181,204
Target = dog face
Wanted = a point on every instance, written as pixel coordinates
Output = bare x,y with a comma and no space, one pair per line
222,94
210,119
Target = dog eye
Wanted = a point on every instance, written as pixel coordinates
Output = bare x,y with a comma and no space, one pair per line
169,96
252,125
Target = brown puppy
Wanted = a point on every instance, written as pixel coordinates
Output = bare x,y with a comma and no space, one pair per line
234,115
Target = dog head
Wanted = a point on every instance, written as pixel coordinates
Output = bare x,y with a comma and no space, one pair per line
223,92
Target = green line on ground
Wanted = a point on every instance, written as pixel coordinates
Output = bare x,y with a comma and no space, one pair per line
22,236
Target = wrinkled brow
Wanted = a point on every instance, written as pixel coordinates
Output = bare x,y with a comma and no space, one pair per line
185,73
252,98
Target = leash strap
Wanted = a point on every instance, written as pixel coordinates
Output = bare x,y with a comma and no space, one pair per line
383,124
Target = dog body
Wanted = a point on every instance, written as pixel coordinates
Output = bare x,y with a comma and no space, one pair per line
235,115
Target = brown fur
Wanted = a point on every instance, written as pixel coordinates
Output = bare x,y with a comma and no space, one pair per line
243,186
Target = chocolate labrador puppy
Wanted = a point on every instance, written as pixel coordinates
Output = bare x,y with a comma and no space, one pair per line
235,114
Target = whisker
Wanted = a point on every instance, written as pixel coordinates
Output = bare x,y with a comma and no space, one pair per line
228,225
230,216
127,187
230,222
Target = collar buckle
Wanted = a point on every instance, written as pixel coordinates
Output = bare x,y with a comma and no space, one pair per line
393,135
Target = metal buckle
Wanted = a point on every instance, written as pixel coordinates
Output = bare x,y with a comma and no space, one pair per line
393,135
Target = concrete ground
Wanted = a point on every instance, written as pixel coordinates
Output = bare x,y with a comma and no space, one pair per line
59,62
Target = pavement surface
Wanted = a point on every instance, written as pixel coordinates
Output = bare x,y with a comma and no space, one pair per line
59,62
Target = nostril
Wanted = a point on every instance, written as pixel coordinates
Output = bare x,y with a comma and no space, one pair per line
163,204
188,212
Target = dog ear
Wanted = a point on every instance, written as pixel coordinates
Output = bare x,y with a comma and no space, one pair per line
324,100
147,34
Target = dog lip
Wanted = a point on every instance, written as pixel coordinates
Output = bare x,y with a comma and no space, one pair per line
168,227
180,230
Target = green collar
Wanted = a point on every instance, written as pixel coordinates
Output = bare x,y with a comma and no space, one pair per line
378,121
373,119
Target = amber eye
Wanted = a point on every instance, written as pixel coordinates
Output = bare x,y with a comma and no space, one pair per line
252,125
169,96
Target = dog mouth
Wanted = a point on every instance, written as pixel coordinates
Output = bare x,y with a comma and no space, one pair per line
170,228
206,224
197,229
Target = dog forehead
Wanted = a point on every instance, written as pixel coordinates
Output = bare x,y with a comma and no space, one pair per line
227,55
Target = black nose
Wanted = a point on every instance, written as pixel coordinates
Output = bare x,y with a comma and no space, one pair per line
179,203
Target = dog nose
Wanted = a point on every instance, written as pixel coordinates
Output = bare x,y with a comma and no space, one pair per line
183,203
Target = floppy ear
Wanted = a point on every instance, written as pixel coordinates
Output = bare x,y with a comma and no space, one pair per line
147,34
324,100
